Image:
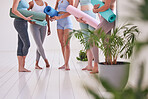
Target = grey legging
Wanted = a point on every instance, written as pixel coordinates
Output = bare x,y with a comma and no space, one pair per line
107,27
39,33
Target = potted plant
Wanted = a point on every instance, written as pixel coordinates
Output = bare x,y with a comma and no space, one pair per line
120,43
130,92
82,56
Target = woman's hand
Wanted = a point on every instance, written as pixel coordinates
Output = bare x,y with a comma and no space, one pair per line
56,17
80,20
95,11
96,6
51,19
28,18
31,22
49,32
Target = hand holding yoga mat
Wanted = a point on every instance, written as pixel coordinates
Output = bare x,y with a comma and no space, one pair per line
50,11
42,23
36,15
78,13
108,14
40,20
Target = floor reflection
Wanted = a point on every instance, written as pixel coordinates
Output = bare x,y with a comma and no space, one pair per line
66,91
23,85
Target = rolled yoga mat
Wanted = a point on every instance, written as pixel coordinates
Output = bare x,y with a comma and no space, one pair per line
50,11
42,23
78,13
108,14
36,20
36,15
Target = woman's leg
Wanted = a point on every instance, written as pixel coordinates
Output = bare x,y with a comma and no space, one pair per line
89,54
90,58
26,45
23,43
106,26
23,34
108,58
61,39
67,48
20,63
24,58
35,29
43,34
94,50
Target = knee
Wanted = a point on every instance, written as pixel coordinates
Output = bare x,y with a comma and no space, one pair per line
27,46
62,44
40,47
66,42
67,46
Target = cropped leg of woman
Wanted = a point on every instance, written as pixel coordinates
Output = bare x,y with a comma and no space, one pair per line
43,35
95,50
21,27
107,27
39,33
90,58
88,51
63,36
67,48
61,39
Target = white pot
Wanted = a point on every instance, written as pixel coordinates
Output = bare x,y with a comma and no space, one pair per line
115,75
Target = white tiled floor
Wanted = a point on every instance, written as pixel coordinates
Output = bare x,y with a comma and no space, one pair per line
47,83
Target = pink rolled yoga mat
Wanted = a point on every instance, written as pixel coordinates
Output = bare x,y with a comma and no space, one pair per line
78,13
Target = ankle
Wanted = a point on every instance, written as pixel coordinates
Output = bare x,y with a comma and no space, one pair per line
21,68
46,61
66,65
89,66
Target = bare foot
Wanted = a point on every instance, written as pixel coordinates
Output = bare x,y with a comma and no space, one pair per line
62,67
24,70
94,71
47,64
89,68
38,67
85,68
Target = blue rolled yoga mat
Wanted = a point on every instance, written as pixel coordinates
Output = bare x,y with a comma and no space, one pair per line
108,14
50,11
38,18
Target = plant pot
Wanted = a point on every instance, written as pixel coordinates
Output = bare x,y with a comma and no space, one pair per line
115,75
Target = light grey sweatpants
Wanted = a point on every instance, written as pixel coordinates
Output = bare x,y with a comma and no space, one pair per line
39,33
107,27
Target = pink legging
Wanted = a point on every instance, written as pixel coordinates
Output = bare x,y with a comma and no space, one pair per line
107,27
